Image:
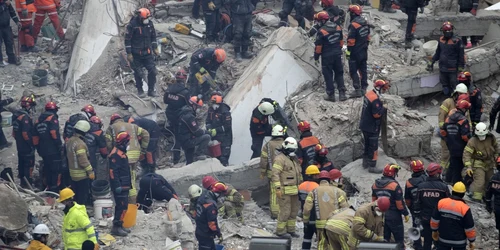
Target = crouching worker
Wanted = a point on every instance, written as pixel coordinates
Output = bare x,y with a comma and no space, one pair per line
338,230
233,202
154,186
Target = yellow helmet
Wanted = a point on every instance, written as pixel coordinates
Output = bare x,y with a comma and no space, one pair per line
65,194
312,169
459,187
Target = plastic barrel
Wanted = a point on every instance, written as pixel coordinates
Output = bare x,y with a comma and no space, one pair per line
103,209
6,119
100,188
130,216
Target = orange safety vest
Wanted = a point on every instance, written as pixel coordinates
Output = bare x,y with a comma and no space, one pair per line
47,4
21,5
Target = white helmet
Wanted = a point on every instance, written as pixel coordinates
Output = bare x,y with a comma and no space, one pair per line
290,143
83,126
266,108
278,130
41,229
194,191
481,129
461,88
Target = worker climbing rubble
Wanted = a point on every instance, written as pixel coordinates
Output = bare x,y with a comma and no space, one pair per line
50,8
22,131
307,186
368,222
202,71
40,238
307,144
148,160
207,227
411,188
219,126
154,187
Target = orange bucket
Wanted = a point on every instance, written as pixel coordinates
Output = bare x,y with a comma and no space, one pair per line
130,216
214,149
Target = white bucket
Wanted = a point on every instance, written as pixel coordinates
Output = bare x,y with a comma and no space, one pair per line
103,208
172,245
6,119
430,47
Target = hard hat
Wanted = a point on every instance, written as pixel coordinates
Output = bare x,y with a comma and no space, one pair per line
216,98
462,77
41,229
463,97
220,55
321,149
324,175
383,203
219,187
312,169
144,13
381,84
304,126
391,170
208,181
335,174
278,130
181,74
194,100
447,26
194,191
481,129
356,9
468,75
89,109
321,16
459,187
65,194
28,102
114,117
266,108
96,120
463,104
122,138
83,126
290,143
434,169
417,166
461,88
327,3
51,106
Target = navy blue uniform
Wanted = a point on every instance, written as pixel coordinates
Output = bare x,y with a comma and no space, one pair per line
207,227
370,126
357,44
221,120
22,131
121,182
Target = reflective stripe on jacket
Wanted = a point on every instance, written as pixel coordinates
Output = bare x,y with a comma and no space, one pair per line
267,155
139,139
77,228
78,158
366,223
286,174
326,200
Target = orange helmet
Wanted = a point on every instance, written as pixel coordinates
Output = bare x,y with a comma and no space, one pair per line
383,203
356,9
391,170
195,100
381,84
321,16
304,126
216,98
321,150
219,187
51,106
327,3
324,175
181,74
144,13
122,138
89,109
434,169
114,117
463,104
447,26
220,55
335,174
28,102
417,166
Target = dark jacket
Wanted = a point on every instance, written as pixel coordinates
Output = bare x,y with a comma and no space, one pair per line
493,114
411,187
324,164
450,54
305,152
358,37
429,193
203,58
140,39
70,123
373,110
335,11
329,41
176,96
154,186
259,124
47,138
206,216
6,13
468,5
457,133
204,4
389,187
241,7
22,131
476,101
413,4
221,121
96,142
188,128
149,125
119,170
493,191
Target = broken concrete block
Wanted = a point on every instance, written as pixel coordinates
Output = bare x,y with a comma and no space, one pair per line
13,211
267,20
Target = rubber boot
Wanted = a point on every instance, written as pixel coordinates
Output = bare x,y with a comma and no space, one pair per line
342,96
126,230
118,231
374,170
140,93
330,98
245,53
238,57
152,93
356,93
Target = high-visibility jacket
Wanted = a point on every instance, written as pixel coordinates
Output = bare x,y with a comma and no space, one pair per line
37,245
326,201
286,174
47,4
447,105
139,139
77,228
78,158
341,224
304,189
268,153
366,223
21,5
481,154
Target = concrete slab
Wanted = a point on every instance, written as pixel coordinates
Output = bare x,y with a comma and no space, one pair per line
13,211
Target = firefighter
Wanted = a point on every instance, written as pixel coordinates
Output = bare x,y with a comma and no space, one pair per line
368,222
176,96
324,201
447,105
80,170
211,12
479,158
233,202
307,144
303,9
202,70
450,54
219,126
96,143
493,115
410,7
338,230
8,12
140,44
329,42
194,192
259,124
456,131
22,131
310,183
267,156
373,110
452,223
492,197
429,193
25,10
76,227
148,164
154,186
358,39
388,186
321,158
207,227
476,99
241,16
50,8
4,102
336,178
40,238
417,177
87,112
139,141
193,139
47,141
286,176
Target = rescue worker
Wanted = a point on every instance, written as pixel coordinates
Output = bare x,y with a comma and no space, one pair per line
417,177
286,176
373,110
139,140
96,143
386,6
148,164
7,12
456,131
429,193
329,42
479,157
493,115
336,178
241,16
140,44
447,105
358,39
267,156
176,96
120,181
303,9
76,227
80,170
154,186
325,200
202,70
469,6
207,227
50,8
194,192
4,102
336,14
310,183
87,112
368,222
450,54
40,238
25,10
219,126
388,186
410,7
47,141
307,144
321,158
259,124
492,197
22,131
211,13
338,230
476,99
452,223
193,139
233,202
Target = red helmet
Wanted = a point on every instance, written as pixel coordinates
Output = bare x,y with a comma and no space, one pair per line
144,13
321,16
321,149
51,106
114,117
96,120
220,55
447,26
304,126
434,169
89,109
383,203
463,104
356,9
335,174
28,102
327,3
216,98
194,100
381,84
208,181
122,138
391,170
417,166
181,74
219,187
324,175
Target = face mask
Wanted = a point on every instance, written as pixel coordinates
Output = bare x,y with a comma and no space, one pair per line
145,21
481,137
215,106
292,154
448,34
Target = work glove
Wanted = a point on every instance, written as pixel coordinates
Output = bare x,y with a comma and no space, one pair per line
130,58
25,13
422,10
211,5
347,54
118,190
220,238
471,246
469,172
377,238
460,69
407,218
92,176
430,66
213,132
316,62
435,235
488,207
157,52
473,12
278,193
262,175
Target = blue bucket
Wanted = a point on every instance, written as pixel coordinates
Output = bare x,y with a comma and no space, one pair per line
219,247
